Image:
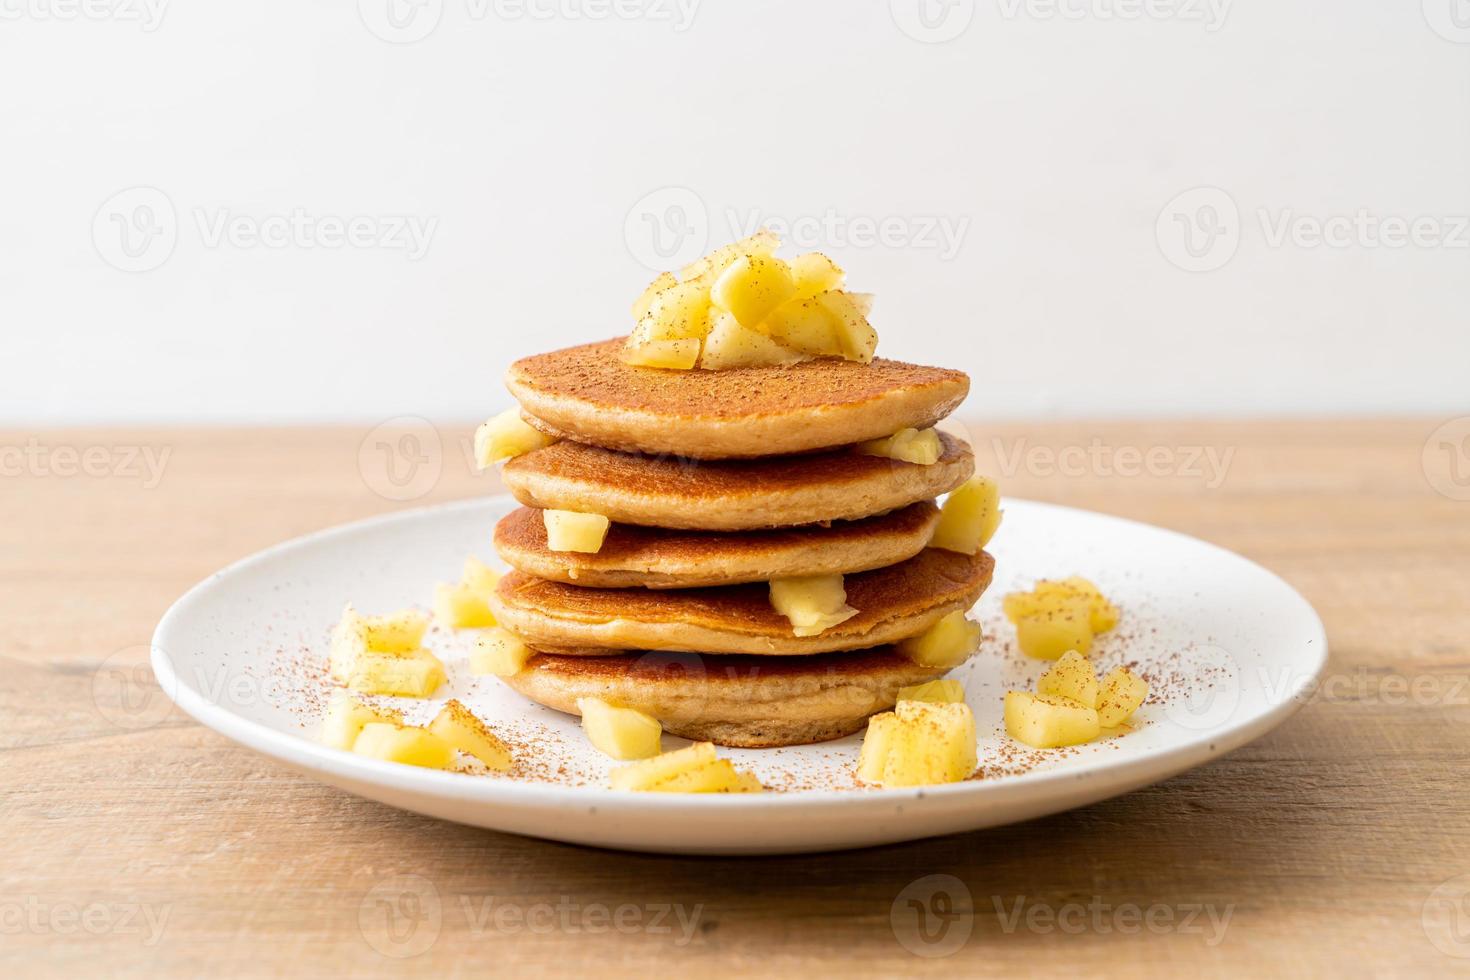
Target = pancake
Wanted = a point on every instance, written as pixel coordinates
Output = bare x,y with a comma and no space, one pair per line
633,556
587,393
730,495
893,603
747,702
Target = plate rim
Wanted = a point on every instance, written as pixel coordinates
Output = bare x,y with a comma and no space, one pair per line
299,750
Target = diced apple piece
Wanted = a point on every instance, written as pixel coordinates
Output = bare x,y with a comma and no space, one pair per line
934,743
1121,694
500,653
680,312
752,286
948,643
747,782
356,634
346,716
506,436
718,776
397,632
814,273
707,269
661,282
969,517
877,743
462,729
858,338
813,603
1071,677
404,743
621,733
1102,613
461,607
646,774
909,445
944,691
804,325
1047,722
416,674
567,530
730,345
1048,635
478,576
677,355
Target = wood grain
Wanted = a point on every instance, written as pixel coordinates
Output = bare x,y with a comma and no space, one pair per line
167,850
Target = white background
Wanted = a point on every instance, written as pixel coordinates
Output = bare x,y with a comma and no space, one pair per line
539,144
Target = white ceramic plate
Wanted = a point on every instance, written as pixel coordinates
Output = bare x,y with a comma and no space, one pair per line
1230,651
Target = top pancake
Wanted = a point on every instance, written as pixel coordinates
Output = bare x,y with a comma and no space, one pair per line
588,394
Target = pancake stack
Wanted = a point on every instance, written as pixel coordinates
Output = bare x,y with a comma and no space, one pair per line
717,483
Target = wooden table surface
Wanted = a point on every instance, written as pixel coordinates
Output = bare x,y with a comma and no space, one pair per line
1339,843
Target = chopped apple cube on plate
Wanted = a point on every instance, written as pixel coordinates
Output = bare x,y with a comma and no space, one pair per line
1121,694
346,716
404,743
919,743
1071,677
462,729
1046,722
416,674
